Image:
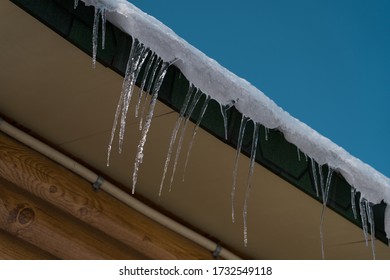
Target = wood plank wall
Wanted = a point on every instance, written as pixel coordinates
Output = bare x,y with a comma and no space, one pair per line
48,212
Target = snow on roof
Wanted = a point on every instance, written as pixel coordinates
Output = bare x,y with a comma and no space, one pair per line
224,86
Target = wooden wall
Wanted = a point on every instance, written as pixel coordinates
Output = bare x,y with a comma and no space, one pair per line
47,212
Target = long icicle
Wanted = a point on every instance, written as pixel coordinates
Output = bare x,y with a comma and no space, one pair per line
174,135
327,185
314,172
114,126
370,218
135,64
224,109
120,103
353,202
76,3
225,121
325,196
363,218
104,17
148,88
249,184
202,112
143,83
148,121
322,183
244,121
125,87
188,114
95,31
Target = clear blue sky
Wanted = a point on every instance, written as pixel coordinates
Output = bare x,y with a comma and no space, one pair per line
325,62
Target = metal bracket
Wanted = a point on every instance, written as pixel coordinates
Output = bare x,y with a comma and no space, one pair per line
98,183
217,251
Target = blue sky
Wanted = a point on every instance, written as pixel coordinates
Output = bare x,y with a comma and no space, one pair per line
325,62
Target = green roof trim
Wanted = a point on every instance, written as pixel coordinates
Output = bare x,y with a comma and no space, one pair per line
275,154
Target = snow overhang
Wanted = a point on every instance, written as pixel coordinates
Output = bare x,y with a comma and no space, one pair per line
279,153
225,87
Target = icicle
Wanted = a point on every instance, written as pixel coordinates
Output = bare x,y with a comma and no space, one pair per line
103,14
118,108
321,182
148,121
244,121
143,83
142,116
125,93
224,109
120,102
148,88
134,65
370,218
266,132
225,121
195,101
299,154
76,3
364,218
367,217
306,157
249,183
174,135
95,32
353,202
325,186
314,172
124,99
202,112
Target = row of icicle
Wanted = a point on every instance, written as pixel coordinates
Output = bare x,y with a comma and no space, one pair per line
366,211
151,82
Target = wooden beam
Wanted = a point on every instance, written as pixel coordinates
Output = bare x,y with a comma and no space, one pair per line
55,232
72,194
13,248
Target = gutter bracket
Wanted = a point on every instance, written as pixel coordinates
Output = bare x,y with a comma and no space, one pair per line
217,251
98,183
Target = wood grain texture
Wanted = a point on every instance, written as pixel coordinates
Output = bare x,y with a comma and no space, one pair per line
66,191
53,231
13,248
